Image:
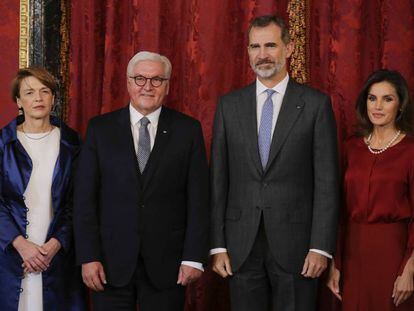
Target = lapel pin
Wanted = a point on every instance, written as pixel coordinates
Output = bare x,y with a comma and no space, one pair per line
164,132
298,107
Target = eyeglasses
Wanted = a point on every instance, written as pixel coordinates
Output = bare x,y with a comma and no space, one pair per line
155,81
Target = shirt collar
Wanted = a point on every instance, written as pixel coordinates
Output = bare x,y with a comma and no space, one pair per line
280,87
136,116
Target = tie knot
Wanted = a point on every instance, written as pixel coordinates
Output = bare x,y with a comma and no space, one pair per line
144,121
270,92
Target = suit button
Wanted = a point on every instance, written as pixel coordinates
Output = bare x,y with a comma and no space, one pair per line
20,290
27,222
26,236
24,198
142,205
27,209
265,185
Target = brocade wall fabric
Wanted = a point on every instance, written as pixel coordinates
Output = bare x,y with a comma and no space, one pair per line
9,60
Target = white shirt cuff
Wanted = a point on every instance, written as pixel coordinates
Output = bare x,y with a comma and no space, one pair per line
218,250
321,252
193,264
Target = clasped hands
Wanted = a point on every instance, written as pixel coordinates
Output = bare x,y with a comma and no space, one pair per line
94,277
313,266
36,258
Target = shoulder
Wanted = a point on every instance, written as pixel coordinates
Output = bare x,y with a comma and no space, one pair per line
108,119
353,142
69,135
308,93
239,93
179,118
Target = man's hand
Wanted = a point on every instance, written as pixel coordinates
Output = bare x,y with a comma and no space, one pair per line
34,257
93,275
333,280
188,275
221,264
314,265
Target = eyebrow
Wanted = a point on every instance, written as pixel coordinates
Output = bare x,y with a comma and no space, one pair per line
370,94
267,44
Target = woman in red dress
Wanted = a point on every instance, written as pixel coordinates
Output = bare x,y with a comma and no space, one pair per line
374,262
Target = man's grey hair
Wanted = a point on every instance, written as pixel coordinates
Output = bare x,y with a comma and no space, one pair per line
144,55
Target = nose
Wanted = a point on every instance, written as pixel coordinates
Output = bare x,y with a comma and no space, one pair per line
378,104
148,86
37,96
262,52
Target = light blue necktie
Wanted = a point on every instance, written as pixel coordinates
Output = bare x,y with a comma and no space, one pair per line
265,129
144,144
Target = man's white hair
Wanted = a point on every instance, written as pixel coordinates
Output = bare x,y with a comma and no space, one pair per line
144,55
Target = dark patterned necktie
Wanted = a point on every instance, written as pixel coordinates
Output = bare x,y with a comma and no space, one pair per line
144,144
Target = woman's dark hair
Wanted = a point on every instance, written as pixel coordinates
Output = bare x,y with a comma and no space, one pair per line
404,120
37,72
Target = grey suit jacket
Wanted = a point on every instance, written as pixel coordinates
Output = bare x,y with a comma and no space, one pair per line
297,193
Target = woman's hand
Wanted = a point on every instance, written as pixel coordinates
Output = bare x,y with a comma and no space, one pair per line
404,284
51,248
34,257
333,280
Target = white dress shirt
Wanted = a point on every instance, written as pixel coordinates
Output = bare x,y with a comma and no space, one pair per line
153,117
277,98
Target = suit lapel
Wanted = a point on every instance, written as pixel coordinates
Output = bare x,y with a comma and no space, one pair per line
161,139
126,141
292,107
248,122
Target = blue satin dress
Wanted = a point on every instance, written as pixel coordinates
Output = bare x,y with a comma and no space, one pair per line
62,287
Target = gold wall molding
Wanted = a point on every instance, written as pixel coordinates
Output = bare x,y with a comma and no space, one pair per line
297,11
24,33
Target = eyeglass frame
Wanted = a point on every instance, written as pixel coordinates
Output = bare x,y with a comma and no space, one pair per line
152,79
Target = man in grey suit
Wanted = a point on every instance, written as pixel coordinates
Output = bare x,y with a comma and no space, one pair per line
274,173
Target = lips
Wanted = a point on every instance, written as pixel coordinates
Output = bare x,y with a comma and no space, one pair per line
378,115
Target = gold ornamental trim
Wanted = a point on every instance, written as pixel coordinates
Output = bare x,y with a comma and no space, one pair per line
64,55
24,33
297,11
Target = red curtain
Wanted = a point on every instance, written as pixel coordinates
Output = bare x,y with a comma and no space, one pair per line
206,43
9,60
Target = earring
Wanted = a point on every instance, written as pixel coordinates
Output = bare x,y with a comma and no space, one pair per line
20,111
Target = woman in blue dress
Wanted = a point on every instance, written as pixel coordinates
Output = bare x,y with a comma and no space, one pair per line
37,154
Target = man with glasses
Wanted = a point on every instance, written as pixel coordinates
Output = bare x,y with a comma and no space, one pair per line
141,198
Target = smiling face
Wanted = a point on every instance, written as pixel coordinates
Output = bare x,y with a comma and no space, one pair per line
147,98
36,99
382,104
268,52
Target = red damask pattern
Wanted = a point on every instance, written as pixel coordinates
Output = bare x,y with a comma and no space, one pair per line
9,60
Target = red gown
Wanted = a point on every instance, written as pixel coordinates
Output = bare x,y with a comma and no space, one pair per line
376,229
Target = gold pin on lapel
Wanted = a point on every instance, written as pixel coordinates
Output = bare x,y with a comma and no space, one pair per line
164,132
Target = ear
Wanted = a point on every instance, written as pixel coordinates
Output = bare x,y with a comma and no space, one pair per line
289,48
168,88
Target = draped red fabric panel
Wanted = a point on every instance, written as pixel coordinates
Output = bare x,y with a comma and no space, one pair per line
206,43
9,60
350,39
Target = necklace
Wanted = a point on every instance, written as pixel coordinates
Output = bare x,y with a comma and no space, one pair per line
386,146
36,138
